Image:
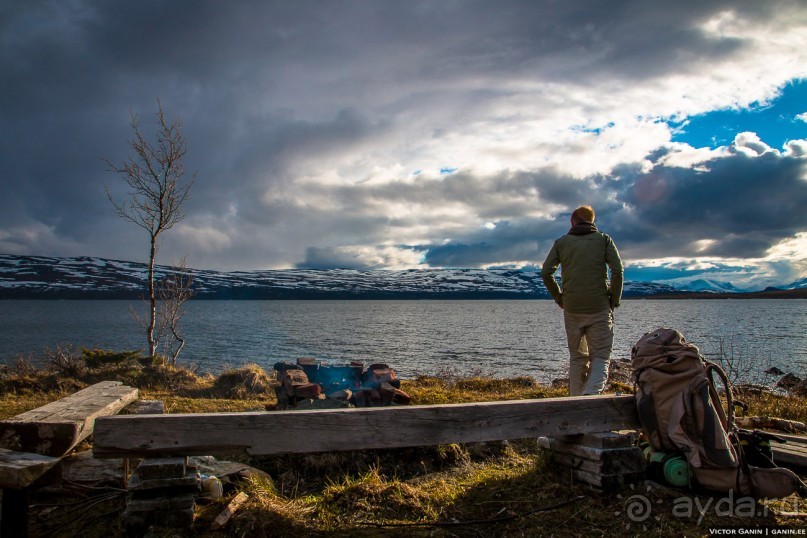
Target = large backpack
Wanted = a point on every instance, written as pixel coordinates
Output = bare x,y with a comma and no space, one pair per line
682,413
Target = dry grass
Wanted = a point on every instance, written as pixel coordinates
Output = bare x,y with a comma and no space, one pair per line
766,404
245,382
440,390
491,489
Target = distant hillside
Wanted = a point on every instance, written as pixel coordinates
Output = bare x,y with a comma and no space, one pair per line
37,277
770,293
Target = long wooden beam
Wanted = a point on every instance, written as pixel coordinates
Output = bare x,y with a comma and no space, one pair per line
285,432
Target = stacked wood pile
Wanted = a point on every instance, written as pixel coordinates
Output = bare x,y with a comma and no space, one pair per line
34,443
56,428
162,492
603,461
313,383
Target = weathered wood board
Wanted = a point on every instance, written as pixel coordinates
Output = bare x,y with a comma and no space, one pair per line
56,428
283,432
82,468
228,512
793,453
605,482
575,449
20,469
622,439
614,461
595,460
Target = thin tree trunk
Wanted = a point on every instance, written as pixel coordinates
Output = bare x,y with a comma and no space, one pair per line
156,196
152,300
181,345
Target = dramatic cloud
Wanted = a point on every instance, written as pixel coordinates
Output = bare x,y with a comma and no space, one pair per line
411,134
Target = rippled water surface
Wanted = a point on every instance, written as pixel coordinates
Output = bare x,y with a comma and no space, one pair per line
503,338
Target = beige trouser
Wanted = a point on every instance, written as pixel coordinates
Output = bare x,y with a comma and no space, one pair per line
590,338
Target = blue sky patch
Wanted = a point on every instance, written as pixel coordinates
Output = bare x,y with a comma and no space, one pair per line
594,130
774,122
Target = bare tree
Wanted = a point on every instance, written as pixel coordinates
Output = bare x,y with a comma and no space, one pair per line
153,173
174,291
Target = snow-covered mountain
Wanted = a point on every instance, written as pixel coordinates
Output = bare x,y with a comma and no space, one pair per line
719,287
798,285
713,286
26,277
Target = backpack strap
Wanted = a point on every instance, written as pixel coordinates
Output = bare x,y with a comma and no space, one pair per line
727,420
732,431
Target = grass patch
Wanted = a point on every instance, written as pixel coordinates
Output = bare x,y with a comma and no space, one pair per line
205,404
766,404
245,382
503,489
441,390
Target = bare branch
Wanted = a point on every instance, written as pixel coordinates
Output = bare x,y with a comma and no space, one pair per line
175,290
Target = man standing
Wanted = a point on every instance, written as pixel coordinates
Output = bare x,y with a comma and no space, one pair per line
586,297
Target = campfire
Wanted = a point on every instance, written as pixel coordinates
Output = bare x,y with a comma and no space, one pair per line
317,384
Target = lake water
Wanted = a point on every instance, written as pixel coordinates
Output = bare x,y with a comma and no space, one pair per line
503,338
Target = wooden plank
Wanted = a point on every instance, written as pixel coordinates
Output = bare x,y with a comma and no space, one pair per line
151,468
790,454
790,438
82,468
189,482
56,428
617,461
20,469
606,482
228,512
602,439
557,444
283,432
594,460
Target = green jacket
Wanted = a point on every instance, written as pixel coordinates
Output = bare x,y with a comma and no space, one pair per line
584,258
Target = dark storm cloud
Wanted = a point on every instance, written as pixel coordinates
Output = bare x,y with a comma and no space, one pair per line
519,241
485,200
298,115
742,204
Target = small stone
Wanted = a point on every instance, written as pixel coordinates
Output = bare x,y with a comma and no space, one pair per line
788,381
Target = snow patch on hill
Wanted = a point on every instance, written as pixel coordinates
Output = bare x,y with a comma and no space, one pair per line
81,277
